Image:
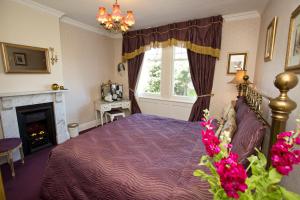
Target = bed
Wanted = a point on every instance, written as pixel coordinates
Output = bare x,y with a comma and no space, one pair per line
150,157
138,157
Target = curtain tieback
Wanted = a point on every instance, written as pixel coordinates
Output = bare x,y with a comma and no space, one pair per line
131,90
206,95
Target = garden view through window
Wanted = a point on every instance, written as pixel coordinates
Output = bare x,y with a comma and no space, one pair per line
150,77
182,83
165,72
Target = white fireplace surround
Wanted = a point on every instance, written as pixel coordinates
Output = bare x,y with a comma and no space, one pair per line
8,115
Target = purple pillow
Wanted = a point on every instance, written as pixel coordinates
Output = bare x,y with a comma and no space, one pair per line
249,135
239,101
241,112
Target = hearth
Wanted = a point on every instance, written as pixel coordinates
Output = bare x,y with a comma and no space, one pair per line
36,126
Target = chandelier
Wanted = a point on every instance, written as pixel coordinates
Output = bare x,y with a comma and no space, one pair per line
115,22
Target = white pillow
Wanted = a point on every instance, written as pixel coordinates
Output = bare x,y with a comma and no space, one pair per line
230,126
226,110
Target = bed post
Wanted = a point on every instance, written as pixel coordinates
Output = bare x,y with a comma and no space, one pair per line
282,105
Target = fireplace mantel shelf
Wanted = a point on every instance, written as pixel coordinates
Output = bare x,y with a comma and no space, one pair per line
12,94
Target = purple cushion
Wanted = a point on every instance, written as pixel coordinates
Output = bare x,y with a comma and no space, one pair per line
115,111
215,124
9,144
241,112
249,135
239,101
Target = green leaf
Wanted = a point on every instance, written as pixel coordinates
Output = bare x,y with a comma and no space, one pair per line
262,158
258,165
274,193
252,158
199,173
274,176
204,160
244,196
288,195
252,181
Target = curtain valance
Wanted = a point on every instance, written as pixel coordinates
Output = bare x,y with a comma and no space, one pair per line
202,36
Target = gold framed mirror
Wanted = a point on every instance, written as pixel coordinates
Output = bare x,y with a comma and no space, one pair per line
25,59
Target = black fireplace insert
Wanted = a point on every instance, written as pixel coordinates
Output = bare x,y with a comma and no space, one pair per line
36,126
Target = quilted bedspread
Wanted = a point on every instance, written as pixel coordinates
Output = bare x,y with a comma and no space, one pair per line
139,157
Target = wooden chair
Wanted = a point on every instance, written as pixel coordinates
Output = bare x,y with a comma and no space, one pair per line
7,147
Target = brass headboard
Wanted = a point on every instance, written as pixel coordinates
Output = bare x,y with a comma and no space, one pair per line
280,106
254,100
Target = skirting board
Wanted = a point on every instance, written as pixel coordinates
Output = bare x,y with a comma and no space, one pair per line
88,125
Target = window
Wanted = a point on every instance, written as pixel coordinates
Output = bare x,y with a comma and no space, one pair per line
150,78
165,74
182,83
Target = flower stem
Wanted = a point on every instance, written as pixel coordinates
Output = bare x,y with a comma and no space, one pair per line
250,165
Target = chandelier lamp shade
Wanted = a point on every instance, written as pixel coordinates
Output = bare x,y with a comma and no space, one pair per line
115,22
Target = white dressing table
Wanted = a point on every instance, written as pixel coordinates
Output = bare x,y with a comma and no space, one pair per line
104,106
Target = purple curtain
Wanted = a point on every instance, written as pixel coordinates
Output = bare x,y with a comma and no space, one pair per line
202,68
200,36
134,66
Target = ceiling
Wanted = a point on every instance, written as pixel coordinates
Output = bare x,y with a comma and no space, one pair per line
151,13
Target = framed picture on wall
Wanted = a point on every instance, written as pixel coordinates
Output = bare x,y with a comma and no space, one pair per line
292,61
236,61
270,39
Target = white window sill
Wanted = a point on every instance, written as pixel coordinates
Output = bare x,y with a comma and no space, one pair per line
174,99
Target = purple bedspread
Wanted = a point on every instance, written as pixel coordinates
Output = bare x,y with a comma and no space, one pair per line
140,157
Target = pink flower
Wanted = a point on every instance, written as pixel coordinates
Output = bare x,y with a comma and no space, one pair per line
297,156
207,124
232,175
284,135
228,146
284,170
282,156
297,140
210,141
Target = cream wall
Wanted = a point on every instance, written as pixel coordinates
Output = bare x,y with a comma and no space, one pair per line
87,62
21,24
266,71
238,36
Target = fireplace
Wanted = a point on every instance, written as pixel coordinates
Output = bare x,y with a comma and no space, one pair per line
36,126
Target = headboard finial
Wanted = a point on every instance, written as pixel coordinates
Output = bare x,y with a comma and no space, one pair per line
286,81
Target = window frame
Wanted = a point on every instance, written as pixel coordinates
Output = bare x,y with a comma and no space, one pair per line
167,80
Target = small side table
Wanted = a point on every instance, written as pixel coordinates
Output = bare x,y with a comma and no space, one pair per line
7,147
